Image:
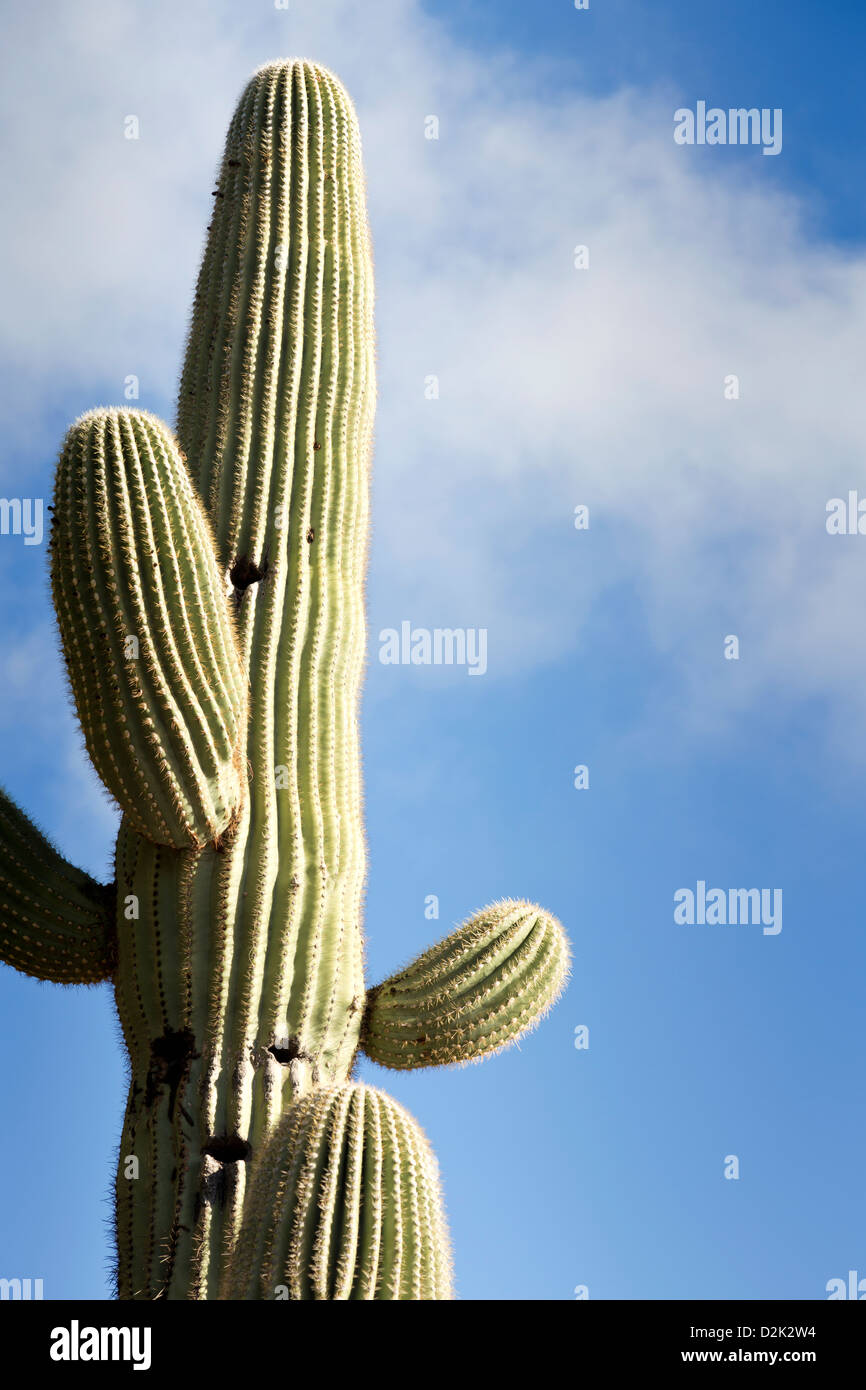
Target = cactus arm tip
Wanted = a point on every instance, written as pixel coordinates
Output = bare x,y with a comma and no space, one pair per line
482,988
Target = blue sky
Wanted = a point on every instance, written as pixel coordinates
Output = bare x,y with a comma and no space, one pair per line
558,387
802,57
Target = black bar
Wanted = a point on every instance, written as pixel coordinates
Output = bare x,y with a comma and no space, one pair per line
255,1340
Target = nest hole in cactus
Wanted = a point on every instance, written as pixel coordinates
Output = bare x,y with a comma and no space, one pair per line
245,572
227,1148
173,1047
289,1052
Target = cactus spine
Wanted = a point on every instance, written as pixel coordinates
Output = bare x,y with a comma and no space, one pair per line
231,746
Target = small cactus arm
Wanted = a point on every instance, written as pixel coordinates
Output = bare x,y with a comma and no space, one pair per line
56,923
146,631
209,595
344,1204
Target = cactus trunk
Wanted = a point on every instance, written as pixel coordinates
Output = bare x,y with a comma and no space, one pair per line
257,988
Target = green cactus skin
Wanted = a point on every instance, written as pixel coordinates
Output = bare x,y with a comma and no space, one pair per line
477,991
242,986
56,923
345,1204
146,631
239,969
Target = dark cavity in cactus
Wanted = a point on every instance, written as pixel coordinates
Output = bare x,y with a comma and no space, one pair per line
209,594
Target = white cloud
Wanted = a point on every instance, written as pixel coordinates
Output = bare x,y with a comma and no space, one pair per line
557,386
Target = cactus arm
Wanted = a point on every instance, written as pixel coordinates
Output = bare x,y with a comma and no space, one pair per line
56,922
477,991
146,629
344,1204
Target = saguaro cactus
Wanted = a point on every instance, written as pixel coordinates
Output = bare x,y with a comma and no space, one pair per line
209,594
